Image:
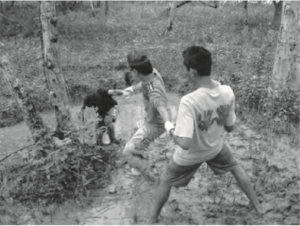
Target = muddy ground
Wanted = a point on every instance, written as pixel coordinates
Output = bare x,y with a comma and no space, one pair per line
272,163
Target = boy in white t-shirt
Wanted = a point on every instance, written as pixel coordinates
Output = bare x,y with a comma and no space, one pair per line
203,117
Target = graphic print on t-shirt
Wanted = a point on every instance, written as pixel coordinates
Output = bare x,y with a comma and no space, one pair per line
149,88
205,121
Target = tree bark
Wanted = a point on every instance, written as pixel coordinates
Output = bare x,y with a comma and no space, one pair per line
277,15
98,4
171,16
245,6
51,64
92,5
22,95
286,70
106,8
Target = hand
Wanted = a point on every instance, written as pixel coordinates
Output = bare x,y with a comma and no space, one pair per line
128,92
169,126
115,92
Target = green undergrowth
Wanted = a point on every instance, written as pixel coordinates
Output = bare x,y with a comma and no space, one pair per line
93,50
94,46
49,174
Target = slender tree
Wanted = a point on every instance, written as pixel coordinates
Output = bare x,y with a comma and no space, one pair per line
171,16
277,14
106,8
286,70
22,95
52,68
170,11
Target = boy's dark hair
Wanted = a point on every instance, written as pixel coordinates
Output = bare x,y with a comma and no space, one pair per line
197,58
139,62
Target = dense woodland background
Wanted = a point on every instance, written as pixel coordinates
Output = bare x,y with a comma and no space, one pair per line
93,45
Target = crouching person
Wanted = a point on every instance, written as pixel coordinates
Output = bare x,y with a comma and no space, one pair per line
107,109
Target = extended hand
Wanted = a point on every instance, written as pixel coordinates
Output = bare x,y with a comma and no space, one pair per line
128,92
169,126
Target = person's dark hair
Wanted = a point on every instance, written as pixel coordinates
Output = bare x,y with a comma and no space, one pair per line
197,58
139,62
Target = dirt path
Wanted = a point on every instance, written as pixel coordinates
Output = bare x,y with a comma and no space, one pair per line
208,199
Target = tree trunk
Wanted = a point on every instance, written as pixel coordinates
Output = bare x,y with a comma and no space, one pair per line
246,11
106,8
92,5
286,70
277,15
22,95
52,69
98,4
171,16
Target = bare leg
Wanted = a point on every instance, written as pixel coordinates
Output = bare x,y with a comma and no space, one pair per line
161,197
245,185
142,166
112,134
134,150
98,133
137,162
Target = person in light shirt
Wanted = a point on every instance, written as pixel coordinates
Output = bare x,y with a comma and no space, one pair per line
203,117
157,118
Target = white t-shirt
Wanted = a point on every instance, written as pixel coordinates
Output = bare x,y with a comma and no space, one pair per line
202,115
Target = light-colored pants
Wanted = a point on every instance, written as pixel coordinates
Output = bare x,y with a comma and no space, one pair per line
140,141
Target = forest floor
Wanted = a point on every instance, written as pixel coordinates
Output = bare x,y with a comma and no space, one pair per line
93,50
272,163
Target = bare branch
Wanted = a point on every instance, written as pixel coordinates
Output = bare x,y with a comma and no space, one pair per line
21,149
14,21
212,6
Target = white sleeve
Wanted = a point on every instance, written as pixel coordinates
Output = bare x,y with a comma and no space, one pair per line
185,121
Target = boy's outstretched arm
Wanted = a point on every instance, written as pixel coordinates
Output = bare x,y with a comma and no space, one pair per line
115,92
128,92
164,113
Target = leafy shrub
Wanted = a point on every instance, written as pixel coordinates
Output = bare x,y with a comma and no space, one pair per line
251,86
60,173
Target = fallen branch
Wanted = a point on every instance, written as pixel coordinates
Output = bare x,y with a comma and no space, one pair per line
212,6
182,3
21,149
204,3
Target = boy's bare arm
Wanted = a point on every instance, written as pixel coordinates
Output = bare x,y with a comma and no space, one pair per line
164,113
115,92
183,142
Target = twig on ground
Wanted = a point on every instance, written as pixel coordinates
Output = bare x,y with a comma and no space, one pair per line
21,149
